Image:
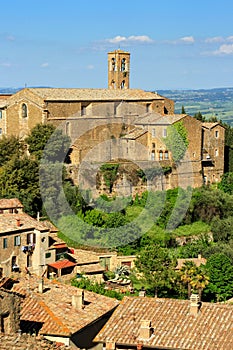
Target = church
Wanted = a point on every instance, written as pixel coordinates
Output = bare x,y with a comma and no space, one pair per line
122,125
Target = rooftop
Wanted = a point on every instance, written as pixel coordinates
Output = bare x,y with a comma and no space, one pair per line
54,307
11,203
173,324
61,94
197,261
9,223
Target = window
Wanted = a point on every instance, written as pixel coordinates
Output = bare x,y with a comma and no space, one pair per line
4,243
148,107
153,133
123,64
0,114
0,131
166,155
216,152
113,64
31,238
122,84
47,255
17,241
11,211
153,145
216,133
153,155
24,110
83,110
164,132
160,155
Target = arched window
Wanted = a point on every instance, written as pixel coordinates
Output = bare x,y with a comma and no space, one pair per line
113,64
166,157
153,145
160,155
153,155
113,83
122,84
123,64
24,110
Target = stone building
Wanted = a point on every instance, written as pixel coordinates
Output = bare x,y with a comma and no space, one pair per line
112,124
24,241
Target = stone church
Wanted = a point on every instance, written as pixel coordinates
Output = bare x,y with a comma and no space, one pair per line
119,124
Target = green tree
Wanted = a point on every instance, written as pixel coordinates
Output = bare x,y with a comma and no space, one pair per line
10,147
220,270
38,138
200,117
177,140
222,229
183,110
226,183
156,267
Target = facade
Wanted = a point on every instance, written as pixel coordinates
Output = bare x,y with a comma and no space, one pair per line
154,323
111,124
24,241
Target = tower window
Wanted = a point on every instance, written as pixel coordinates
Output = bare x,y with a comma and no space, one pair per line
216,133
24,110
113,83
113,64
123,64
216,152
153,145
122,84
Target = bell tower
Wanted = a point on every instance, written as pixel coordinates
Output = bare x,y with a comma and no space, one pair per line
118,69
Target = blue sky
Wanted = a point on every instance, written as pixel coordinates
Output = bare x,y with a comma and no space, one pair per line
174,44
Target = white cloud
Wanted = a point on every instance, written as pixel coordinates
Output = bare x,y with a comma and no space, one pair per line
215,39
229,38
132,38
188,39
226,49
44,65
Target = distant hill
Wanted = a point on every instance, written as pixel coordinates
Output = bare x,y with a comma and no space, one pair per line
210,102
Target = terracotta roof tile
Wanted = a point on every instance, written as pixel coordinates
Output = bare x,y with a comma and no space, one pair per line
62,264
174,326
8,223
54,307
10,203
56,94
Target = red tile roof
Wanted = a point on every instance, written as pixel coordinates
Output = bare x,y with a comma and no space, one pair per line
8,223
174,326
62,264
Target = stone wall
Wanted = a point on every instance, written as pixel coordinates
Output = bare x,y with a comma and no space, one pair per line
9,312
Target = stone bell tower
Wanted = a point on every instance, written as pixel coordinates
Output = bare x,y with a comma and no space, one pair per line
118,69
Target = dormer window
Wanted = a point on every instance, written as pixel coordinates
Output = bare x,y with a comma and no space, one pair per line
24,110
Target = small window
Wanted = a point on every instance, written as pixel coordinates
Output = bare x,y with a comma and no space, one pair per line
17,241
24,110
0,114
11,211
0,131
153,155
83,110
5,243
122,84
47,255
153,133
164,132
216,134
216,152
166,155
160,155
113,64
153,145
68,128
123,64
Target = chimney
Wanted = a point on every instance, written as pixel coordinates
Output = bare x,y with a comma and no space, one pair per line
78,300
142,292
41,285
110,345
145,331
18,222
195,304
